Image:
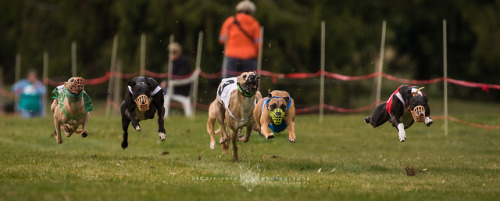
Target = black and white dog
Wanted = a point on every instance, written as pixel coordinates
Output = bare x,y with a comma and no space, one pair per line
405,106
143,99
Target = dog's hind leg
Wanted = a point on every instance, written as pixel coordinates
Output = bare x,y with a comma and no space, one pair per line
245,138
234,139
379,116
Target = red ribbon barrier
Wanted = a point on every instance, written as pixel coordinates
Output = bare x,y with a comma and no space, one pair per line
275,76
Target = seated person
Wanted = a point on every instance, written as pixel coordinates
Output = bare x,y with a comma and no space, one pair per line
181,67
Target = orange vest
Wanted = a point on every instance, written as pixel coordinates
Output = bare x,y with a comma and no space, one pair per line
239,45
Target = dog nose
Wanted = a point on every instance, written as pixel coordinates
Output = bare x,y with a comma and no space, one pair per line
252,77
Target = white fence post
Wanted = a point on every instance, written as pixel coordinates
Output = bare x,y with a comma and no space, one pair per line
73,59
322,78
445,80
45,80
111,70
198,67
143,55
381,62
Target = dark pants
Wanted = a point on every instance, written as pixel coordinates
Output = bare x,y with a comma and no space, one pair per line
236,66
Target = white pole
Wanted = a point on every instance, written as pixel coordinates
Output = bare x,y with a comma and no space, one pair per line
170,61
18,67
198,67
259,58
224,58
111,69
45,77
18,74
381,62
73,59
143,55
1,87
445,81
117,82
322,78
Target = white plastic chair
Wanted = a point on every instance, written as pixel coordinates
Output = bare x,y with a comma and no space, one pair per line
186,101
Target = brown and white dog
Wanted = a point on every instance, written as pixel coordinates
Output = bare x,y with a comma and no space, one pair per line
271,111
233,107
70,108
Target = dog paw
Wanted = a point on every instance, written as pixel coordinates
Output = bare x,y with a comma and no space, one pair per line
291,140
428,121
162,136
138,128
84,135
367,119
212,145
124,145
223,140
402,136
243,138
270,136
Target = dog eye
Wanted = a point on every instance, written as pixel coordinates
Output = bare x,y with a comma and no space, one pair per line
273,106
283,107
244,76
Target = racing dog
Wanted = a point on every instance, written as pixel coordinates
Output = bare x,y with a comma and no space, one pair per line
143,99
71,107
405,106
271,111
233,107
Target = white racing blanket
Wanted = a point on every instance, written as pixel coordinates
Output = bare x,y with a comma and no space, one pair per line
227,86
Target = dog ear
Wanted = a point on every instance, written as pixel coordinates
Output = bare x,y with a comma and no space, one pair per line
426,100
269,95
287,99
131,83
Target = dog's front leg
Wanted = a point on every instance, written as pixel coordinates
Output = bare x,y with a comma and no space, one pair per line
84,125
401,128
161,126
234,139
133,118
125,123
57,132
291,129
428,121
265,130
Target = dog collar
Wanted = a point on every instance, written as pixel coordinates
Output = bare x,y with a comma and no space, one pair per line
243,93
77,97
154,92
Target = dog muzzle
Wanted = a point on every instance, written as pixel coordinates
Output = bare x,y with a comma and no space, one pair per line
277,116
142,103
77,85
418,113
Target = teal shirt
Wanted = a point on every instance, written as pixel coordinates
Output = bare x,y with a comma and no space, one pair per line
30,98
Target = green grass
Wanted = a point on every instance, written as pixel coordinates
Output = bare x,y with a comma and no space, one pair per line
357,162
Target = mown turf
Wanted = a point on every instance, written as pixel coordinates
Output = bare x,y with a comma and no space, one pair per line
342,158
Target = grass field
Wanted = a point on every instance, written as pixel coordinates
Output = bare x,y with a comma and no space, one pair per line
341,159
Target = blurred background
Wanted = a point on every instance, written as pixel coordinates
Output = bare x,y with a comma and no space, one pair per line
413,50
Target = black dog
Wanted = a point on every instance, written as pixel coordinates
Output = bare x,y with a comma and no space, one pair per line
405,106
148,98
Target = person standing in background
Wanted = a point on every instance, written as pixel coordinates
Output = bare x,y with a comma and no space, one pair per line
240,34
31,93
